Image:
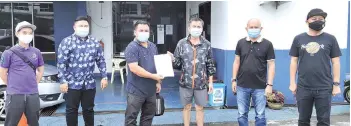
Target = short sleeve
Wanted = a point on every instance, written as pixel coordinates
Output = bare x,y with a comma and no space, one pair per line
5,59
238,49
294,50
335,50
270,52
131,53
40,59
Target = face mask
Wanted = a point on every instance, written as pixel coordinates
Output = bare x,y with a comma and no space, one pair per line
254,33
317,25
195,32
143,36
82,32
25,38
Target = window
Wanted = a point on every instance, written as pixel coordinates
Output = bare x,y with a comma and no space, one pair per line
21,6
129,9
46,7
144,9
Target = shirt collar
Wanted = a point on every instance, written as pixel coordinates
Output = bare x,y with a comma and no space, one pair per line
22,48
139,43
77,37
202,39
258,40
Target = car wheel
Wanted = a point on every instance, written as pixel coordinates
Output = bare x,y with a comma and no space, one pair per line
2,109
347,94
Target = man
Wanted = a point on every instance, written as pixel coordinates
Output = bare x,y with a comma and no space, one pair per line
252,55
143,83
193,55
311,53
76,58
21,78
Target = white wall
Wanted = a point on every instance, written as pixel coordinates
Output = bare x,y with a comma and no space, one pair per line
102,28
283,24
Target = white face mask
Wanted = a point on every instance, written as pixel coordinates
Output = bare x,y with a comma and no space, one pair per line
143,36
25,38
195,32
82,32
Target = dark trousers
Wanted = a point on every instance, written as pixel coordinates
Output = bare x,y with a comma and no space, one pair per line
322,102
17,104
134,104
86,99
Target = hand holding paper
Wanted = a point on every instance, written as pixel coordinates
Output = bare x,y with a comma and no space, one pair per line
163,64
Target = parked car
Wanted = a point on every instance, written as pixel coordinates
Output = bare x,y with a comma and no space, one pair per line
347,89
49,90
44,43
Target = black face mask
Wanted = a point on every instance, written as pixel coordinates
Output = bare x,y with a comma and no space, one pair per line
317,25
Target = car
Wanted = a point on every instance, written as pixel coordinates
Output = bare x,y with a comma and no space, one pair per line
48,87
347,88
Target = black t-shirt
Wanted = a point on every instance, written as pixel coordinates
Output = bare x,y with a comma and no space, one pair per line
253,62
315,53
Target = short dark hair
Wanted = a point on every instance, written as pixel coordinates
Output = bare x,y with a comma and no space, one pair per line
141,22
81,18
196,19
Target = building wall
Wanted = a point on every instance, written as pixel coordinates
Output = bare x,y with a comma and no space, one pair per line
101,27
280,25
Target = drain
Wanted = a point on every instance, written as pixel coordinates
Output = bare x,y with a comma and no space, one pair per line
48,111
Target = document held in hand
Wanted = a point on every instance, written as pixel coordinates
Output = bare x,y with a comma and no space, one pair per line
163,64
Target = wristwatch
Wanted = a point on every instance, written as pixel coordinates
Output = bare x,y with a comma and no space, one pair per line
234,80
269,84
336,83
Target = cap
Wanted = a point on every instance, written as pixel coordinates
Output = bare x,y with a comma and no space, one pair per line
316,12
25,24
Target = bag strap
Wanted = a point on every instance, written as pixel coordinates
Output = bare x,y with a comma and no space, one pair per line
24,58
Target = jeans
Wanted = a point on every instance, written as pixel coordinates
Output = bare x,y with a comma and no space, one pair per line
86,99
135,103
243,100
322,102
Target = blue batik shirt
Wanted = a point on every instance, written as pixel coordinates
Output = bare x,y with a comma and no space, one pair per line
76,60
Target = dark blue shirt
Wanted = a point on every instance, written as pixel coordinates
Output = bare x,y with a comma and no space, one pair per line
135,52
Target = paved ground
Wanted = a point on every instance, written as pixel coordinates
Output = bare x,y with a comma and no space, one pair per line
224,117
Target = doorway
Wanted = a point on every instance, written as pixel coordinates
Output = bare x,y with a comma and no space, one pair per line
205,15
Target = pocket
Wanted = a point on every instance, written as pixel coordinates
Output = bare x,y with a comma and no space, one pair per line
7,100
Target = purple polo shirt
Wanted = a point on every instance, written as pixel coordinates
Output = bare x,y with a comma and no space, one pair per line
21,77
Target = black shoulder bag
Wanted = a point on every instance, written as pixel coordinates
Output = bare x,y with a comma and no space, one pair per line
24,58
160,105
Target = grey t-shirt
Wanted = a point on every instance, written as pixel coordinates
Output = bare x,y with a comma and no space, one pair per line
315,53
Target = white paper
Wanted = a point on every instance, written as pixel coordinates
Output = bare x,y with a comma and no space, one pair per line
163,64
160,34
169,29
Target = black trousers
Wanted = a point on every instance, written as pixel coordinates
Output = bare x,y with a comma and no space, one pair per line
17,104
86,99
147,106
322,102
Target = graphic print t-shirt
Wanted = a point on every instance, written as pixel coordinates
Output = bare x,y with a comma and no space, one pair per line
315,54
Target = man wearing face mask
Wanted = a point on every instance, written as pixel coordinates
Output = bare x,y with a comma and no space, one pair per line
252,55
317,82
193,55
76,58
143,83
21,78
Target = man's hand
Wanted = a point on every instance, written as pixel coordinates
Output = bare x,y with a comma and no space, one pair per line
170,54
158,87
293,88
156,77
64,88
268,90
103,83
234,87
336,90
210,88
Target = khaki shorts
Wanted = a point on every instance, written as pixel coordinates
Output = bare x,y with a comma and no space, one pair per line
187,95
